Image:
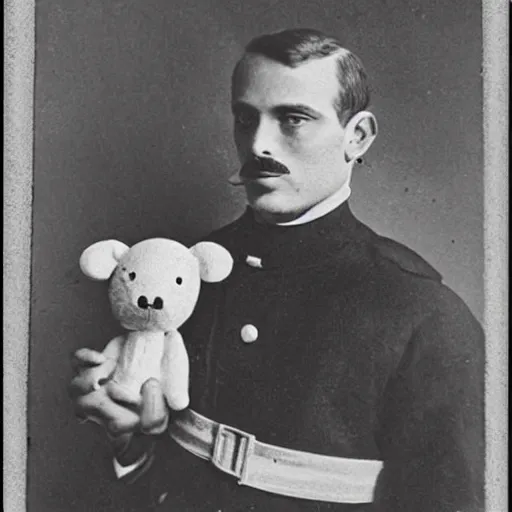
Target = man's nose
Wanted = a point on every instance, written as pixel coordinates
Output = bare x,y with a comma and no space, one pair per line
264,139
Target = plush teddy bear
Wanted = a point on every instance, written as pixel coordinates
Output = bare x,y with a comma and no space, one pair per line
154,287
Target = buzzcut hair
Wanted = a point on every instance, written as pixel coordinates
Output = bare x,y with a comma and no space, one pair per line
294,47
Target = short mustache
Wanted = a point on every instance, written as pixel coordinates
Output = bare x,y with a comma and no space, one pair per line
257,166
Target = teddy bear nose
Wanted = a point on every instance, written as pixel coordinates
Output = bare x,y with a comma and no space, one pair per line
142,302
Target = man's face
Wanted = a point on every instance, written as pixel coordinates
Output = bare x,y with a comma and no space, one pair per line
287,115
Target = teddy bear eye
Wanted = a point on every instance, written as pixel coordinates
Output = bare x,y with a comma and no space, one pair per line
179,280
132,276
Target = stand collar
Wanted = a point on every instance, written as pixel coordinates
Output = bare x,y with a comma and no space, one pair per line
268,246
323,208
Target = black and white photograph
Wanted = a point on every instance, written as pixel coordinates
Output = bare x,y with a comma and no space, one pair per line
259,248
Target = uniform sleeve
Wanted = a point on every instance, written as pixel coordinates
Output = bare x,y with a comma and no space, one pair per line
131,486
431,423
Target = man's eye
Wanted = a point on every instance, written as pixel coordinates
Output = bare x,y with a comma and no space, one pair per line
293,120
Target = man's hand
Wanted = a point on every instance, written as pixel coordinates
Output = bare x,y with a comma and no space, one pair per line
109,405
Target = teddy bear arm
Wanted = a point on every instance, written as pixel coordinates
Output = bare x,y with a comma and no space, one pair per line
175,371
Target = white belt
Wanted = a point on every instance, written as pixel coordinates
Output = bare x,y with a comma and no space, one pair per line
273,469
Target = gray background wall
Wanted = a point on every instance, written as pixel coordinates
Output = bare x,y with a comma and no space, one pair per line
133,139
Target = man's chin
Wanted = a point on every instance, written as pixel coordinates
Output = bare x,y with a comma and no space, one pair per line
273,208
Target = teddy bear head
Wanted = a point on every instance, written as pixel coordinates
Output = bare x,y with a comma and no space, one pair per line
154,285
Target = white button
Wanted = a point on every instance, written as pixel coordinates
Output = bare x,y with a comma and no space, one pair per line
249,333
253,261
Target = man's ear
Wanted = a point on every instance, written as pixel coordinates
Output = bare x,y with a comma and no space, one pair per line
99,260
215,262
360,132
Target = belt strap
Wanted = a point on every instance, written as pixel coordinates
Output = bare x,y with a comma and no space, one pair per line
274,469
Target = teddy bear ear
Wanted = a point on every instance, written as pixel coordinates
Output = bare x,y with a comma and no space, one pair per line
99,260
215,262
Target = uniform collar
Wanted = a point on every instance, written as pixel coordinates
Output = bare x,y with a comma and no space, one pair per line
323,208
269,246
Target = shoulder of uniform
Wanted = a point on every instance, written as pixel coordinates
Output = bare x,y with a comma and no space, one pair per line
405,258
225,234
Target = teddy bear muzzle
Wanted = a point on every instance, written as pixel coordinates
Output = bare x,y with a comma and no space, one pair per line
143,303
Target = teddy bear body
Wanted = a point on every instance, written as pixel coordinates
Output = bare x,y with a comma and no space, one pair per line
153,289
140,359
142,355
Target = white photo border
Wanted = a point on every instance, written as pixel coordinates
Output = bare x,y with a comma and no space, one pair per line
19,48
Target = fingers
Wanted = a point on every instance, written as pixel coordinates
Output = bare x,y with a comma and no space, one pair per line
86,358
116,418
124,396
82,384
88,380
115,407
154,415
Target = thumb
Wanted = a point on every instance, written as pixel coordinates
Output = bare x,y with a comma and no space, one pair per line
154,415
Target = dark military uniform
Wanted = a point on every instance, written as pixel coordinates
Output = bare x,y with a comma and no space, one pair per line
360,352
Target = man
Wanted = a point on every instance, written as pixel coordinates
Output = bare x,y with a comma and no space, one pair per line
340,350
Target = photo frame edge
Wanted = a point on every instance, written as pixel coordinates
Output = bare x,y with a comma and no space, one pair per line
19,51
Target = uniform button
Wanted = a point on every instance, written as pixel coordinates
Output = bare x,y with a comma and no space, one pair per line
249,333
253,261
162,497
